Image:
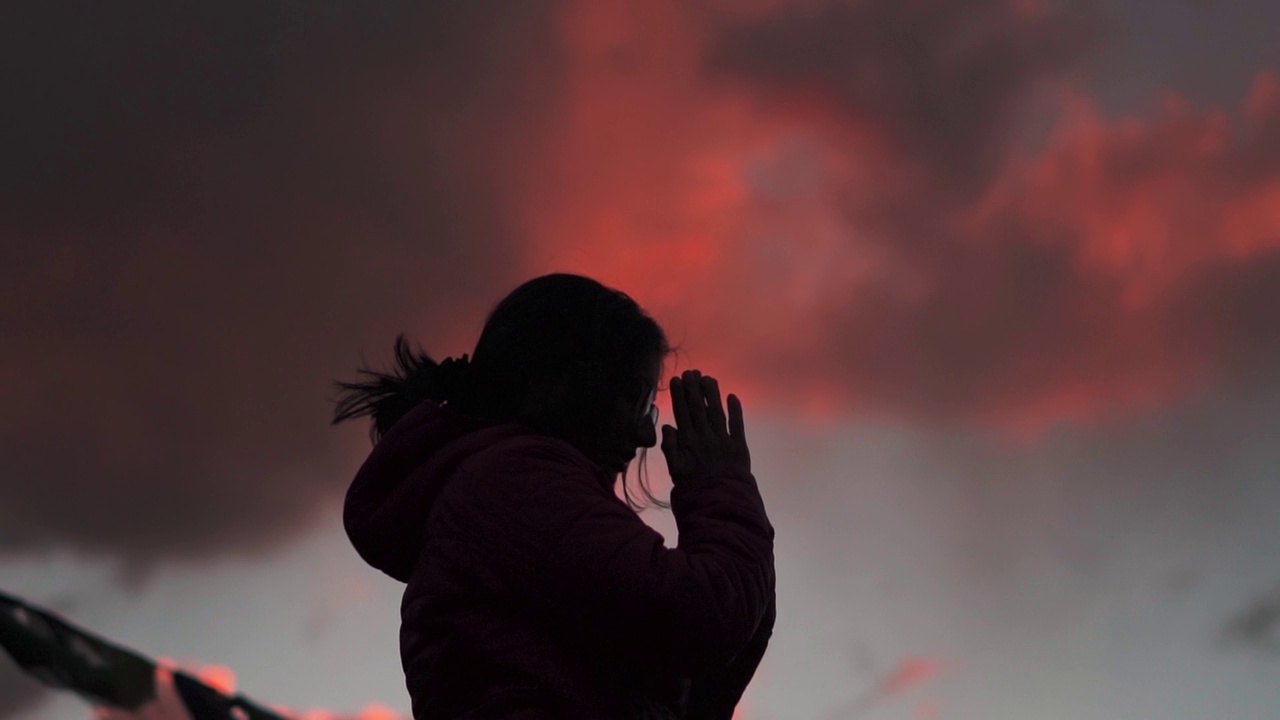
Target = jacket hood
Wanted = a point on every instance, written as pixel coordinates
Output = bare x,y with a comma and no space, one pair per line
392,495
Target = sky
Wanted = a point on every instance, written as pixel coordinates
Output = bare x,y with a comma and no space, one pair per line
996,281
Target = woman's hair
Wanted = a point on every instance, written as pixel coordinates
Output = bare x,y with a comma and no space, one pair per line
554,355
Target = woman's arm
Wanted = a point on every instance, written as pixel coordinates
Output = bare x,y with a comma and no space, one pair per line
570,551
716,695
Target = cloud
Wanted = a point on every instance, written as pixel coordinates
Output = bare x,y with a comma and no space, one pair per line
1132,263
912,210
940,85
214,212
894,209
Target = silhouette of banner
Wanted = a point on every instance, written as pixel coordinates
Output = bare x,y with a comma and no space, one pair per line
66,657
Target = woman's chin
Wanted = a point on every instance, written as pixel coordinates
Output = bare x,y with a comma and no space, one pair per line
613,465
621,465
618,461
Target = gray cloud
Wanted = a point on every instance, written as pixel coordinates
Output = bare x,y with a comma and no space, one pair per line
943,83
210,213
987,298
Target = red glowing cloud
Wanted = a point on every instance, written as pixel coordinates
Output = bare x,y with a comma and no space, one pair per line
833,206
838,208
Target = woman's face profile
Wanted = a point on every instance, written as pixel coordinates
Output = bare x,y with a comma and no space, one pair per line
634,423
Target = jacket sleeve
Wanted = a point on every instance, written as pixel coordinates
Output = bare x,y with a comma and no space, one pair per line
716,695
565,546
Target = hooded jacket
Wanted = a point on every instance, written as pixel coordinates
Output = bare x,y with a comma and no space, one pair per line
534,593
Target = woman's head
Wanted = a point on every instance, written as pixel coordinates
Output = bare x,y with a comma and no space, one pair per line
562,354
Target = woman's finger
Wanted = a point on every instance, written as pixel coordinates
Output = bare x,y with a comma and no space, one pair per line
679,408
695,403
715,410
737,426
669,442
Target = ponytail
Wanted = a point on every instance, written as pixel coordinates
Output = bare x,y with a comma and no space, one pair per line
387,397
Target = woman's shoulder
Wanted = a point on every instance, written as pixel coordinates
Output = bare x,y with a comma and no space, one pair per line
496,490
531,461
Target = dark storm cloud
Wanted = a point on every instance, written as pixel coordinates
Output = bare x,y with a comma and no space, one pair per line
942,83
213,209
1005,268
209,212
1034,302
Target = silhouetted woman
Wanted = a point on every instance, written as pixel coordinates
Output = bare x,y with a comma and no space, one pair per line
534,591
